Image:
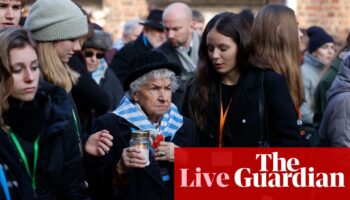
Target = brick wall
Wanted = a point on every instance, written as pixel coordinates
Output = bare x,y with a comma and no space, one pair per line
119,11
333,15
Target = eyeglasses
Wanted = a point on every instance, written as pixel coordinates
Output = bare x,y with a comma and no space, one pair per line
89,54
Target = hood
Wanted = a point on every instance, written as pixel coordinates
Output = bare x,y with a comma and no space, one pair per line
342,81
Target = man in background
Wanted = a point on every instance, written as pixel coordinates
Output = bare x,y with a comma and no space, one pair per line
151,37
198,22
182,44
10,12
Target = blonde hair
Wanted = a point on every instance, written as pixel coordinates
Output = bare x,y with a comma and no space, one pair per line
53,69
276,36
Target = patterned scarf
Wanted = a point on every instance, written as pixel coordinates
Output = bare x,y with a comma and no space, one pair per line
100,71
171,121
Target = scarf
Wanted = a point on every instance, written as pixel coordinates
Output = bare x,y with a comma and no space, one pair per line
100,71
189,62
171,121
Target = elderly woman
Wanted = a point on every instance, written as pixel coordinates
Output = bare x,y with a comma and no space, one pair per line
146,107
93,52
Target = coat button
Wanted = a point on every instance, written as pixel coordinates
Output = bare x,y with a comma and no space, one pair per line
244,121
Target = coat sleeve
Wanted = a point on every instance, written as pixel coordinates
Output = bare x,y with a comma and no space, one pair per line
188,134
101,170
338,122
73,185
87,89
282,116
307,108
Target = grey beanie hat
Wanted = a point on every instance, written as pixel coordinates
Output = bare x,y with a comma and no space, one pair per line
100,40
52,20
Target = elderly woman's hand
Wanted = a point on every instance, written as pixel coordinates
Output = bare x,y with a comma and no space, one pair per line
132,157
165,151
99,143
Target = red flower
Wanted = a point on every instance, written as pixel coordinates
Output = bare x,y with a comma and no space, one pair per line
157,140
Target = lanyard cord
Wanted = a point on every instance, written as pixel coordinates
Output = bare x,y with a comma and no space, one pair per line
24,157
223,116
76,123
3,183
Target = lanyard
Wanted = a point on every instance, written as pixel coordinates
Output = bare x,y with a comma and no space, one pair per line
223,117
3,183
76,123
24,157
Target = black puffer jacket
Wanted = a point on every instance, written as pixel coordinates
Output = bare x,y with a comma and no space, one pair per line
59,173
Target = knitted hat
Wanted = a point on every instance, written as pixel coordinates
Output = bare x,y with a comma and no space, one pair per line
154,20
317,38
147,62
100,40
52,20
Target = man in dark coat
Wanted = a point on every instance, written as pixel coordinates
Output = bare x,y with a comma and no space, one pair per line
151,37
182,44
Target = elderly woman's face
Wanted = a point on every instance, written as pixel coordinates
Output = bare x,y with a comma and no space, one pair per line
92,58
154,97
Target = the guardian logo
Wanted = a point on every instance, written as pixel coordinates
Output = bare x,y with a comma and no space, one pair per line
274,172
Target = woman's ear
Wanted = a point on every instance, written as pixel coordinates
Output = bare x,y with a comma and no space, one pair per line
135,96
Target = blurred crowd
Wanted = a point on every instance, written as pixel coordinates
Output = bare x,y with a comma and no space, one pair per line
86,117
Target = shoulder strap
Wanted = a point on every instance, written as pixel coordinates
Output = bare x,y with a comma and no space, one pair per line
264,140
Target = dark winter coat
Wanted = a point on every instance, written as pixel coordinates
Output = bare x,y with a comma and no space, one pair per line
334,129
242,127
170,53
111,84
87,94
60,170
143,183
320,97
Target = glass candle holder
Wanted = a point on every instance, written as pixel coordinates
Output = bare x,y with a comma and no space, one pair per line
140,139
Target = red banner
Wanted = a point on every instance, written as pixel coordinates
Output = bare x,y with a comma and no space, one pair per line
262,173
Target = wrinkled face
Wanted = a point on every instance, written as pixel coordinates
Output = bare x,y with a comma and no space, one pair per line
154,97
25,73
92,58
222,51
66,48
154,37
325,53
10,13
178,30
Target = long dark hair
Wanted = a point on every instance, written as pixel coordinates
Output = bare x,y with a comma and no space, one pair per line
206,78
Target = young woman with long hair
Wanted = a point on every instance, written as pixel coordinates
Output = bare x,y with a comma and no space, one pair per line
233,99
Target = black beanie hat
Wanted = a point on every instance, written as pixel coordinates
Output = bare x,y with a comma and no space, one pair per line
317,38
